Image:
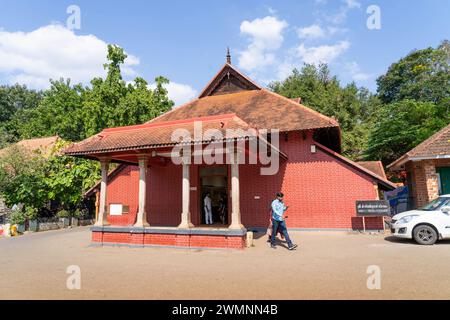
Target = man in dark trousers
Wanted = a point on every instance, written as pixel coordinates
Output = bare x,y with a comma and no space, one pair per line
278,209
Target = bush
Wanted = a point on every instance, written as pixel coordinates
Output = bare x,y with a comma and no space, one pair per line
63,214
17,217
77,213
31,213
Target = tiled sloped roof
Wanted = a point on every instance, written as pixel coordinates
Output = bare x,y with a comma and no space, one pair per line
374,166
43,145
259,108
438,145
151,135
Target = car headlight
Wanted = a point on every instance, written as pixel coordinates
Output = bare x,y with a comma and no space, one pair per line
407,219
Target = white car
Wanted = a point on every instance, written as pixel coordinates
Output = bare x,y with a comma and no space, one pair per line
425,225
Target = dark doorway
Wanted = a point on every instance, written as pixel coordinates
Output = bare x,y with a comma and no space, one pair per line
444,179
214,180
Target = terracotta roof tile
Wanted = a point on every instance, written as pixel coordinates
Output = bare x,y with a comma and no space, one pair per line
43,145
259,108
151,135
374,166
438,145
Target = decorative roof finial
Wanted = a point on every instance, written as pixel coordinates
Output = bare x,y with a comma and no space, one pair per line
228,55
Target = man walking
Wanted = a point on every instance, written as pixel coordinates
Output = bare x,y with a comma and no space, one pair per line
278,209
208,209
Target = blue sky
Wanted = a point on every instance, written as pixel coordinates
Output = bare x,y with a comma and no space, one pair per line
186,40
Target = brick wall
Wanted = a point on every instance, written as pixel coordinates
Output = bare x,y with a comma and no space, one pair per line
197,241
423,180
320,190
124,189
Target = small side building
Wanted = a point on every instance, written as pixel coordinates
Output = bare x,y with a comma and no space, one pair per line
427,168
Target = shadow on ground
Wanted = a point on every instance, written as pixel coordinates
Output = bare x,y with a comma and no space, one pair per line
393,239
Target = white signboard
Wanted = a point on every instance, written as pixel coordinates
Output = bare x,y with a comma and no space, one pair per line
115,209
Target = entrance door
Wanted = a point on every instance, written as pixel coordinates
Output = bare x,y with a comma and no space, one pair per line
214,181
444,176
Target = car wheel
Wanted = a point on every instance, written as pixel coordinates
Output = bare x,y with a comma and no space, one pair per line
424,234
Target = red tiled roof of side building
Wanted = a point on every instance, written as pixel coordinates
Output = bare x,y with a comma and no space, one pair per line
261,109
151,135
436,146
374,166
43,145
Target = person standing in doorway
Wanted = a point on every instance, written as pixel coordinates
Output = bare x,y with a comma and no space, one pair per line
278,209
208,209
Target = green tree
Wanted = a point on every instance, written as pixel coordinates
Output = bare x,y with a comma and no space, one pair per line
34,179
22,177
423,75
111,102
58,113
15,101
350,105
401,126
67,178
415,92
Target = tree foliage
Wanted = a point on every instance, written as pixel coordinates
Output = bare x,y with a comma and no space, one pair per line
415,92
15,101
423,75
73,112
400,126
111,102
35,179
350,105
22,176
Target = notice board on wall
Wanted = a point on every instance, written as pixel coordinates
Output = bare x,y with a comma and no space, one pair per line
373,208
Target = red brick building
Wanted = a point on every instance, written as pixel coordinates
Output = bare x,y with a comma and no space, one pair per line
150,200
427,168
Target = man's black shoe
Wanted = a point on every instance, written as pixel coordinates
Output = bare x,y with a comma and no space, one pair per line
292,247
273,246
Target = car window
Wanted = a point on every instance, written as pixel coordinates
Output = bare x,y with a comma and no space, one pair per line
436,204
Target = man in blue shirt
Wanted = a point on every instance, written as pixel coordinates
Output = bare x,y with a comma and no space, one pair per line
278,209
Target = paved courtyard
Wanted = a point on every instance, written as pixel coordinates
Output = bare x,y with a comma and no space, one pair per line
327,265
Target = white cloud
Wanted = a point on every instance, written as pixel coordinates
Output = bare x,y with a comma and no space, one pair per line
52,52
312,32
178,92
315,31
266,36
355,72
352,4
343,11
321,54
284,69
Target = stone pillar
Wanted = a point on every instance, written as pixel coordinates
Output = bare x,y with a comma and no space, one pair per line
102,219
186,196
235,204
141,220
